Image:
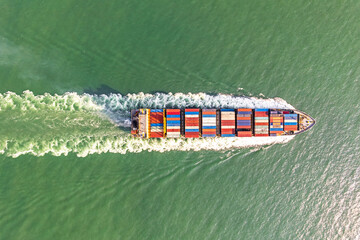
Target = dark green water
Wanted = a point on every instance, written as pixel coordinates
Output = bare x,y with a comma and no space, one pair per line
307,53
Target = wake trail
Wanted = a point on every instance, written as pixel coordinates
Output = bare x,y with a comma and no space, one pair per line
87,124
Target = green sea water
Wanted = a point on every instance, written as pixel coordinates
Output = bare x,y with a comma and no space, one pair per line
69,171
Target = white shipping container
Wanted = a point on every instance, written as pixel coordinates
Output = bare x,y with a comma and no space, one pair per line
261,121
209,119
156,130
173,127
191,127
228,127
209,125
209,122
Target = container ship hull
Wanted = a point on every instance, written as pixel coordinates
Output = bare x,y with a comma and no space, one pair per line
196,123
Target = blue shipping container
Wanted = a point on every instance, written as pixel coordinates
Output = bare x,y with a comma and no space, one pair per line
290,123
209,127
276,129
156,124
173,125
209,135
191,130
228,135
173,121
173,116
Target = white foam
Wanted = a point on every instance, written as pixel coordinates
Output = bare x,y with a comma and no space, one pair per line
116,102
28,101
115,108
84,146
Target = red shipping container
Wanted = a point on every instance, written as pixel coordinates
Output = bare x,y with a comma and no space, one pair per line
261,135
191,124
244,110
228,121
192,110
173,110
227,131
261,124
212,133
155,121
244,134
208,131
191,135
173,119
208,112
156,118
243,127
173,130
191,119
156,135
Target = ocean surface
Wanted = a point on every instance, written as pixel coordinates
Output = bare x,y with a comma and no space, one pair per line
71,70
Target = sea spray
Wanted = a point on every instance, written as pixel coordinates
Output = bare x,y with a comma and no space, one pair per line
87,124
118,102
86,145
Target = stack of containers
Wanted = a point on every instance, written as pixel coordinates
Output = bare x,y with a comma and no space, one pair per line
173,123
276,123
244,122
291,122
156,123
191,123
209,122
261,122
227,122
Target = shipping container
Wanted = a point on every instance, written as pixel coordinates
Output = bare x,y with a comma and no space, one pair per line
154,123
290,122
192,123
228,122
208,123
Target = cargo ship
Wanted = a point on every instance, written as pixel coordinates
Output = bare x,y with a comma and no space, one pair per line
197,123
